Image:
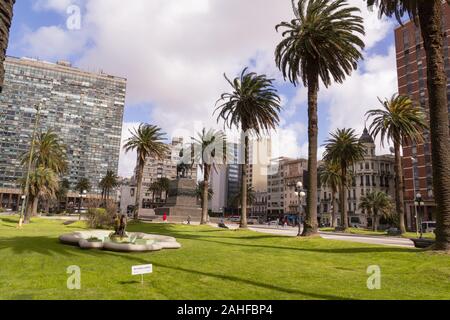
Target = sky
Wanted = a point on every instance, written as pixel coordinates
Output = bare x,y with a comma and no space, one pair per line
174,54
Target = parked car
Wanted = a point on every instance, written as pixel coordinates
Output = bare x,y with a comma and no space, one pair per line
428,226
273,223
253,220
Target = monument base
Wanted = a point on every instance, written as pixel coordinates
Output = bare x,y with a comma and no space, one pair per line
179,211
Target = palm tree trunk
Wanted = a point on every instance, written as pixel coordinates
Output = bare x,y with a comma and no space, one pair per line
311,225
343,206
244,184
430,17
35,206
205,194
6,15
138,190
28,211
375,221
399,185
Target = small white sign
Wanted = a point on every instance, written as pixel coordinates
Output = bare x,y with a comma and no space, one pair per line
144,269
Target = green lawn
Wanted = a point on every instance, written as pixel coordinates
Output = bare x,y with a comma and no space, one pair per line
365,232
214,264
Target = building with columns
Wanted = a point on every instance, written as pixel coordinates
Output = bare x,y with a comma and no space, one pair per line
374,173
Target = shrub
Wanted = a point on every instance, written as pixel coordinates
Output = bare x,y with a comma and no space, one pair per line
99,218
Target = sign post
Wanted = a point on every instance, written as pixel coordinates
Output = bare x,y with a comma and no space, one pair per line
141,270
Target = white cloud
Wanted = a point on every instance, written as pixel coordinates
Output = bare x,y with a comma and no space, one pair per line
53,43
349,102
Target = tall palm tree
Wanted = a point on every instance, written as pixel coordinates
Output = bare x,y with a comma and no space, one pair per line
377,204
210,151
49,152
108,183
44,183
344,149
429,14
254,107
329,175
400,120
322,43
6,15
148,141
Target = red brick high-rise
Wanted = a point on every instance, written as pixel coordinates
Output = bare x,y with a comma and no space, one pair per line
412,81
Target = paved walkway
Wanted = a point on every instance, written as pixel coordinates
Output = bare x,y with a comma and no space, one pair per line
379,240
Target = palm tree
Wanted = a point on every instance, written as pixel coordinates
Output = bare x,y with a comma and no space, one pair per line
155,187
375,203
329,175
429,14
210,151
6,15
254,107
344,150
322,43
49,153
251,198
200,191
147,140
163,186
44,183
61,193
400,120
108,183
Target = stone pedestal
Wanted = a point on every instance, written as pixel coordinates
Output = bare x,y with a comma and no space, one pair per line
182,201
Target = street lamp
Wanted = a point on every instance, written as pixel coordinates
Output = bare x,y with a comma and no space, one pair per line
414,161
82,195
419,202
38,108
301,194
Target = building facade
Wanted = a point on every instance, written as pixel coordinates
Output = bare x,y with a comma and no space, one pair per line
85,109
260,154
295,171
412,81
374,173
276,187
226,184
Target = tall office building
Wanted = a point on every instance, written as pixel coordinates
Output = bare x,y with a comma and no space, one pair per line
260,154
226,183
412,81
85,109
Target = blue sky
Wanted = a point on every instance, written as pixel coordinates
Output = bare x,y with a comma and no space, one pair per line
174,54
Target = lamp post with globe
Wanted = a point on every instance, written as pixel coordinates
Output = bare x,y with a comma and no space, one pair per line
419,203
301,194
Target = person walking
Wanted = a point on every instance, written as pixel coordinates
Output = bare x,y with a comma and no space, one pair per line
165,217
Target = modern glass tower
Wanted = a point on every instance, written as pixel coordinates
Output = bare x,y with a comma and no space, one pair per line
85,109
